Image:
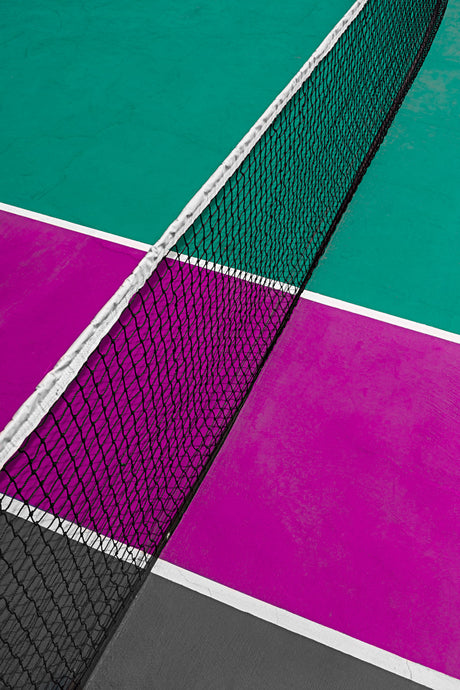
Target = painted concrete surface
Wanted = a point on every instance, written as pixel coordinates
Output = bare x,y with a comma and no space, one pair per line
131,115
132,432
116,113
52,284
60,595
175,639
397,248
336,491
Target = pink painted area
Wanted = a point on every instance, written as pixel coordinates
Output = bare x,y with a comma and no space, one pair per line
337,493
120,450
52,283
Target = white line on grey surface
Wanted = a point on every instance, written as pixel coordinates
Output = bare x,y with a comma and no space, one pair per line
238,600
65,528
309,629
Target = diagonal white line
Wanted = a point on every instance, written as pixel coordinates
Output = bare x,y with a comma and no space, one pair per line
320,299
55,382
381,316
82,229
83,535
309,629
238,600
234,273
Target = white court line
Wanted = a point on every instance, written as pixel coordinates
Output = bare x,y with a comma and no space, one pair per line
313,631
320,299
56,381
82,229
65,528
243,275
234,272
243,602
381,316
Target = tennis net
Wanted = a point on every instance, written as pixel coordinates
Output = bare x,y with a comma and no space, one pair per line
100,463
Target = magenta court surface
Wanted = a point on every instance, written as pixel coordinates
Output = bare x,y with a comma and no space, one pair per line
331,512
116,390
50,292
335,493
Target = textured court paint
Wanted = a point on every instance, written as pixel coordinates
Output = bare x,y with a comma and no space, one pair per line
116,113
397,249
131,114
132,432
335,494
74,591
52,284
175,639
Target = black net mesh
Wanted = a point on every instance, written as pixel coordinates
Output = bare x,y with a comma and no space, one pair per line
90,497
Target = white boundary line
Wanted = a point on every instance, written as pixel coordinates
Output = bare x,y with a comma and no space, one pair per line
53,385
234,272
82,229
226,595
302,626
321,299
381,316
83,535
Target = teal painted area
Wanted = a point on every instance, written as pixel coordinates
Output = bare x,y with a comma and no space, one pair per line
274,213
114,113
398,247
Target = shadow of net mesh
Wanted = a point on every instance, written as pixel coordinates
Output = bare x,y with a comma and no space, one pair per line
88,500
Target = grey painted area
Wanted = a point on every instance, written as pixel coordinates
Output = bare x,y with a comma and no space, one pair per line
57,597
175,639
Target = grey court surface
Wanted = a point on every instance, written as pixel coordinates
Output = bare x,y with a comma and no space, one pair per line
175,639
172,637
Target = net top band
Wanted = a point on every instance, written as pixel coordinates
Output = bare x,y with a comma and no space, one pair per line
56,381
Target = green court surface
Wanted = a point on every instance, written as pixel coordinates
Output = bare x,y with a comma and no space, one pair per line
326,514
397,248
117,112
115,116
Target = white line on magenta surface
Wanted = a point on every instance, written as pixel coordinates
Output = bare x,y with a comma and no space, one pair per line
302,626
238,600
56,381
320,299
234,272
381,316
82,229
